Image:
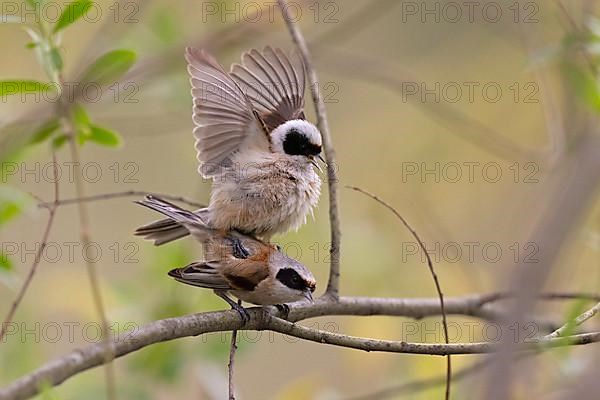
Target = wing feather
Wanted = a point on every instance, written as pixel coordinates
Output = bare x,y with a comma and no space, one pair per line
222,141
224,116
256,68
201,274
274,85
251,83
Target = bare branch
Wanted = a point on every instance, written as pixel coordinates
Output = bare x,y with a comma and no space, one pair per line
230,366
438,287
61,369
323,125
574,323
127,193
436,349
38,256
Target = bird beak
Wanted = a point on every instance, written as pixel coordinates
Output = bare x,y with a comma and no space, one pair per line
308,296
320,157
314,162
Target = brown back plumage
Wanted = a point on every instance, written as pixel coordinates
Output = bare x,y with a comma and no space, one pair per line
235,261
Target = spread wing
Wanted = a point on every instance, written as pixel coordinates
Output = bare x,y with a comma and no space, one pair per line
274,84
224,117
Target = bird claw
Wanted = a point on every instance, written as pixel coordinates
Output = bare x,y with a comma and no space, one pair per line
235,306
242,312
283,309
238,249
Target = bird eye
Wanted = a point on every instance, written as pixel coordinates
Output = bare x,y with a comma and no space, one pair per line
297,143
290,278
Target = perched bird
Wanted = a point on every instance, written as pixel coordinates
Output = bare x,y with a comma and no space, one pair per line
247,268
255,144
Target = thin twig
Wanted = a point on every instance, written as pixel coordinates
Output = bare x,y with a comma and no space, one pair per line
547,296
431,270
435,349
574,323
61,369
38,256
64,109
323,125
127,193
230,366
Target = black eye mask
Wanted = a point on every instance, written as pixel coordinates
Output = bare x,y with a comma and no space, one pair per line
291,279
298,144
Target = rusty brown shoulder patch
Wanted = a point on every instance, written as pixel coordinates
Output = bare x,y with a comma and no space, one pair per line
246,275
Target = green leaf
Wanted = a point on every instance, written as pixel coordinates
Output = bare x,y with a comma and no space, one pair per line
12,201
72,12
583,83
44,131
5,262
55,59
59,141
109,67
82,123
83,136
8,211
104,137
80,116
10,87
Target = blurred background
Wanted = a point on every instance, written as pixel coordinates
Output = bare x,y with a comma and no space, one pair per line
447,111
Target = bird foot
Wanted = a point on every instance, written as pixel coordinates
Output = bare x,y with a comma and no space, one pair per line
238,249
242,312
237,306
283,309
